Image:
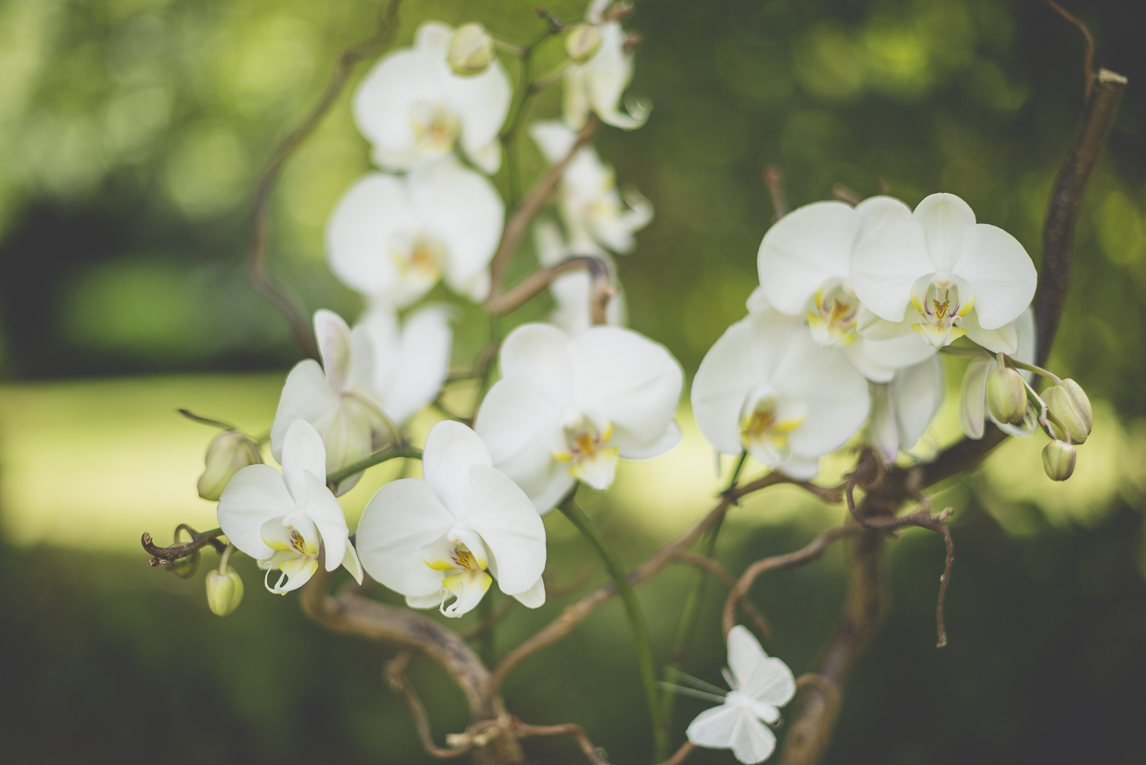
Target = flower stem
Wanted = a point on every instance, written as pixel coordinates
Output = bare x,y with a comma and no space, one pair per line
691,609
377,458
1037,370
636,621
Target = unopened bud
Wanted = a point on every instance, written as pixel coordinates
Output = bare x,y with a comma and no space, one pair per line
471,50
224,591
230,452
582,42
184,567
1006,395
1069,403
1058,460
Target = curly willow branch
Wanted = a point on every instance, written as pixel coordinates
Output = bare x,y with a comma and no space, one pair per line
286,304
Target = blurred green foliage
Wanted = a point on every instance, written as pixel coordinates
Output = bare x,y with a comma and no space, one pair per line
131,133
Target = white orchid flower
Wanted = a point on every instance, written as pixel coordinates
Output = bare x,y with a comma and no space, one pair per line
567,407
372,379
595,215
902,409
973,409
760,685
944,276
766,387
446,535
413,108
597,85
804,263
284,519
392,238
573,291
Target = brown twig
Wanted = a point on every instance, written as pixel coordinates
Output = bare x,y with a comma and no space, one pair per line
842,193
807,554
1088,57
519,222
396,679
774,180
729,581
576,613
592,753
502,303
1065,203
352,614
161,556
266,286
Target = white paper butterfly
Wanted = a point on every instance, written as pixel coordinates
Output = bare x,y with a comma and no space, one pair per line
760,684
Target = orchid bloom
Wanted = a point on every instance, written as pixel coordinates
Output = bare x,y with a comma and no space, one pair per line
902,409
595,215
973,409
372,379
760,685
454,532
944,276
567,407
413,108
804,264
392,238
284,519
596,85
766,387
572,291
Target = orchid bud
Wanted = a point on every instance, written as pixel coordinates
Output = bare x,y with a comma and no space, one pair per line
224,591
184,567
471,50
1058,460
230,452
582,42
1006,395
1069,403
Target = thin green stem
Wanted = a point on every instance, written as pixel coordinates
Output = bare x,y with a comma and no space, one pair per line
641,640
224,558
1037,370
377,458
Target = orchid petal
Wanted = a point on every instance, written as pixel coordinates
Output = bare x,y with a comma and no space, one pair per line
540,353
462,210
916,395
254,496
451,449
896,353
361,234
804,249
481,103
510,527
945,220
879,212
836,395
323,510
303,452
554,140
1001,272
973,396
468,587
632,381
1005,339
518,424
421,364
401,518
886,266
306,396
534,597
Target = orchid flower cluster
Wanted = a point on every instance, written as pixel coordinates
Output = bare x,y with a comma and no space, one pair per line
841,346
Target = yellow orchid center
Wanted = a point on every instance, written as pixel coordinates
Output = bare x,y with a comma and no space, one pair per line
586,446
435,128
833,313
941,300
766,427
419,260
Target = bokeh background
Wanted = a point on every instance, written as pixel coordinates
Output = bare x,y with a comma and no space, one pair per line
131,133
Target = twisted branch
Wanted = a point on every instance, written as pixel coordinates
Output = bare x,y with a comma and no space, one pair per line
262,282
574,614
500,303
161,556
729,581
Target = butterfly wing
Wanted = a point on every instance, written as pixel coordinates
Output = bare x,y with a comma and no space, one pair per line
733,727
758,675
